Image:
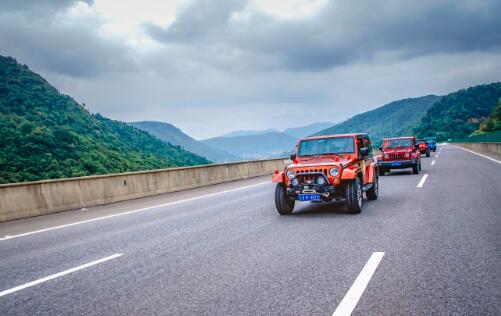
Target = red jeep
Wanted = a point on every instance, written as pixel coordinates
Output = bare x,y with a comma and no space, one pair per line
423,147
399,153
327,168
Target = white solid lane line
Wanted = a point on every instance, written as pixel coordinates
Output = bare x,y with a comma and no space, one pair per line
57,275
423,179
484,156
433,162
351,298
131,211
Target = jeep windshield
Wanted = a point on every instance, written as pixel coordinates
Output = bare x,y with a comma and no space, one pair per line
397,143
326,146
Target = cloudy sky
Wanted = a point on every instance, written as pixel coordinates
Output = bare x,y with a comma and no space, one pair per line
212,66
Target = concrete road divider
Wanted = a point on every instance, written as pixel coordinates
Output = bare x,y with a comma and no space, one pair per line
489,149
22,200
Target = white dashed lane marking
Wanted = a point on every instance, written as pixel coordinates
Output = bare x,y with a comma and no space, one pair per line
423,179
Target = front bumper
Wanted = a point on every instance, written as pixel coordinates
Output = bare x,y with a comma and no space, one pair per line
326,191
397,164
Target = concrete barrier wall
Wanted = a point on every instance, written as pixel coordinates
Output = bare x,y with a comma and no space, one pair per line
489,149
21,200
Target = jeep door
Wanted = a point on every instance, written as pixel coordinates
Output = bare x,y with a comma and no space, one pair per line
366,160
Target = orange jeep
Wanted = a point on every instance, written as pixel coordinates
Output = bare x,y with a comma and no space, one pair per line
327,168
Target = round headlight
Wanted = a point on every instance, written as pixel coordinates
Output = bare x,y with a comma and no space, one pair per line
320,180
334,172
295,182
290,174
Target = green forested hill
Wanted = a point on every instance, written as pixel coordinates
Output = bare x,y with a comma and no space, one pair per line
460,113
46,135
391,120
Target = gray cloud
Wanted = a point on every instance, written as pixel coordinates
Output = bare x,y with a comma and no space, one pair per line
216,70
343,32
39,5
46,42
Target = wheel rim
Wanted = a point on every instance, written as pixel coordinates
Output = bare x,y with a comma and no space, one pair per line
359,194
376,186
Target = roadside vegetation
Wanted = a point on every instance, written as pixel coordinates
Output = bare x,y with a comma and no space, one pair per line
47,135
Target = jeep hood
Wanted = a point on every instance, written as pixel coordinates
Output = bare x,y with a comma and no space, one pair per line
401,150
322,161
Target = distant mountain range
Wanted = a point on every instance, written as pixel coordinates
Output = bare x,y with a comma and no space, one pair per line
47,135
262,144
296,132
171,134
307,130
257,146
249,132
393,119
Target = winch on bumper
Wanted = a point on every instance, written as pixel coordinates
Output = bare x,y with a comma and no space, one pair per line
311,183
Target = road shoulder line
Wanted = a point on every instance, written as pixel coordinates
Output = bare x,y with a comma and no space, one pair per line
131,211
478,154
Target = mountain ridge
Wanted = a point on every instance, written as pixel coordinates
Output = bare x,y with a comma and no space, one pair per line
258,146
393,119
174,135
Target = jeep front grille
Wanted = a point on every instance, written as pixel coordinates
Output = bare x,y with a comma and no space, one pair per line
311,170
307,176
396,156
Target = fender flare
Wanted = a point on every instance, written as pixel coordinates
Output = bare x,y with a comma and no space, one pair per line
349,174
278,177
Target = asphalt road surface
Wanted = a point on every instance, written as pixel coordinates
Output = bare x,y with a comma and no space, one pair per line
224,250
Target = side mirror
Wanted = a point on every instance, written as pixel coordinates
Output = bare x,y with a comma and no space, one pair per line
364,151
293,156
381,148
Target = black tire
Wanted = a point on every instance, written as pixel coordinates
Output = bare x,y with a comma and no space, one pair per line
427,153
354,196
373,192
381,171
284,204
416,168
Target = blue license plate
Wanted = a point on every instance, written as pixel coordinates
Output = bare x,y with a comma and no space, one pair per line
309,197
396,164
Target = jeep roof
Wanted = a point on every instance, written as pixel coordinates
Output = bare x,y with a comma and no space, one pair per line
399,137
333,136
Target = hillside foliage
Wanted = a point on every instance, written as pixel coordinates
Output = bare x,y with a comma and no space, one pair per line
47,135
494,121
460,113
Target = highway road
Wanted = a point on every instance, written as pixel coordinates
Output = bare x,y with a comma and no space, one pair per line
426,246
